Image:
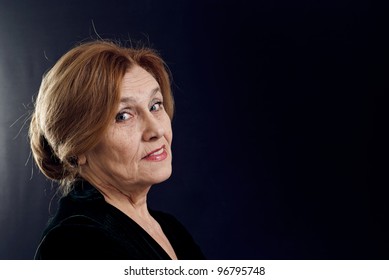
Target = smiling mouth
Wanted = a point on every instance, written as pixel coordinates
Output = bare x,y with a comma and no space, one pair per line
155,153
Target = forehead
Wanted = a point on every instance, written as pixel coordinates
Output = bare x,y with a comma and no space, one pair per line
137,80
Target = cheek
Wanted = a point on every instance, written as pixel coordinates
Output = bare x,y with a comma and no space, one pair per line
124,151
117,148
169,133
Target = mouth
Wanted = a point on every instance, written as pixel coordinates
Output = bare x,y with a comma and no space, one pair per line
156,152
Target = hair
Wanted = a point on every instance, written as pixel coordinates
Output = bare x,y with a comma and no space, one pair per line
78,98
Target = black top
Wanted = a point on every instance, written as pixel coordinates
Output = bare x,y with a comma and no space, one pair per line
87,227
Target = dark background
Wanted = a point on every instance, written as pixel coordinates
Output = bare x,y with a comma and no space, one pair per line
280,127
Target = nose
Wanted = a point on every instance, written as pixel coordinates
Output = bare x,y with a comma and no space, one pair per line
152,128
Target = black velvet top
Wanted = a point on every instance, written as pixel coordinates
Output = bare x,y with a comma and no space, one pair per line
87,227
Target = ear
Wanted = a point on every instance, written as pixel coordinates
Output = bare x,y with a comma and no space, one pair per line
81,160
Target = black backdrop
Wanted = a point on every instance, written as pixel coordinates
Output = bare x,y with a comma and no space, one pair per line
279,134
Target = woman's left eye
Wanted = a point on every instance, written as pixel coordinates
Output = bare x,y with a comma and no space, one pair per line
156,106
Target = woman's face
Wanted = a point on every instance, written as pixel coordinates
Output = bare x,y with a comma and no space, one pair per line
136,149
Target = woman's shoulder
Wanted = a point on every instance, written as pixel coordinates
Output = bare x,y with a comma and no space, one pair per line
77,237
73,211
78,230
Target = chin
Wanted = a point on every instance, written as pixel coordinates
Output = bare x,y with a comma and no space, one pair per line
161,175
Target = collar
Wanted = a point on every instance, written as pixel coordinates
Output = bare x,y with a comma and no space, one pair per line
84,190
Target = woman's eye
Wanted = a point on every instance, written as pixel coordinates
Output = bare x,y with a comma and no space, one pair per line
157,106
122,117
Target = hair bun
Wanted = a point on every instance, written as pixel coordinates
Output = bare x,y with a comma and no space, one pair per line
45,156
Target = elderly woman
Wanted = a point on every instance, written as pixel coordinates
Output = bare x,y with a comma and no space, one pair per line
102,129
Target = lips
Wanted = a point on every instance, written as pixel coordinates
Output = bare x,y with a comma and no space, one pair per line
157,155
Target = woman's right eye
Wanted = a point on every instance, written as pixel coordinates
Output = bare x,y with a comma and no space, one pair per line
123,116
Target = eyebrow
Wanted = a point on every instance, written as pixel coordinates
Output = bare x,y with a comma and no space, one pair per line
131,99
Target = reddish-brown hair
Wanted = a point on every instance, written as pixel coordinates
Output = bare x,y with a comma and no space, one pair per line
78,98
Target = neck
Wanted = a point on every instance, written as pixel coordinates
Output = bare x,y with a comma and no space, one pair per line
131,202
